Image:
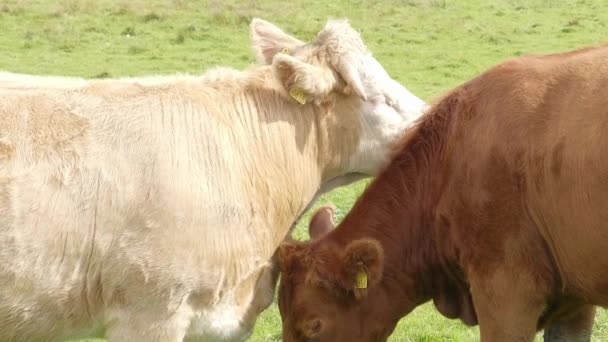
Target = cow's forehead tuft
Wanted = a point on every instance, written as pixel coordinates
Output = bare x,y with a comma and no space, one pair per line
339,36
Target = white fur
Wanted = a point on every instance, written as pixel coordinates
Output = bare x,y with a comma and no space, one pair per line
389,110
150,208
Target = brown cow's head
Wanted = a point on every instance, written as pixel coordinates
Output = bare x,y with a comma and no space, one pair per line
330,292
336,70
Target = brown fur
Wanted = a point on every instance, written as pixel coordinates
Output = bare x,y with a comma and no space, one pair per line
493,207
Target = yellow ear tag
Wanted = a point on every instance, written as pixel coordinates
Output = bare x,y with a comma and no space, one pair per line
285,50
361,279
298,95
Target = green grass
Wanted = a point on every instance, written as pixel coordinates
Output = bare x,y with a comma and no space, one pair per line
428,45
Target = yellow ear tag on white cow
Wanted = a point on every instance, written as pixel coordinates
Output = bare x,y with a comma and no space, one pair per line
298,95
285,50
361,279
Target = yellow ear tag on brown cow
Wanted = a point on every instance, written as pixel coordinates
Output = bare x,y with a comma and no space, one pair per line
361,279
298,95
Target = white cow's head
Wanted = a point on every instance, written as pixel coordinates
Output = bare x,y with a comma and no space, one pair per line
337,67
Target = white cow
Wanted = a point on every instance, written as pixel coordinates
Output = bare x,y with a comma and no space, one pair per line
149,209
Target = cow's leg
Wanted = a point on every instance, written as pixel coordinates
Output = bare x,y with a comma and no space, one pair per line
127,326
576,327
508,307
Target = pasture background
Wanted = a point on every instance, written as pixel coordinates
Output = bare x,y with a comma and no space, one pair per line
428,45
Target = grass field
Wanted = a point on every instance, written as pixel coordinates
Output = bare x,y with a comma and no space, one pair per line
428,45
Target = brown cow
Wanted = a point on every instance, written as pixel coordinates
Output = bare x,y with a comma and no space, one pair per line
494,206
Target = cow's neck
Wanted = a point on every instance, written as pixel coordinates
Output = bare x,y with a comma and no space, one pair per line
302,153
336,143
397,210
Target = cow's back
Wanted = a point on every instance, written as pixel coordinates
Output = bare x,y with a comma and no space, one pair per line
532,155
568,172
64,184
119,191
91,181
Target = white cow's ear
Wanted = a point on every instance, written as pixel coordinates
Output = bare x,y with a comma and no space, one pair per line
347,67
267,40
303,81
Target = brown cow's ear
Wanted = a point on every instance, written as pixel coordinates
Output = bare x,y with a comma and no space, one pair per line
363,265
322,221
302,81
267,40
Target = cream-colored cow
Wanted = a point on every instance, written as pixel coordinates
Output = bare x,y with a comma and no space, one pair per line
149,209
